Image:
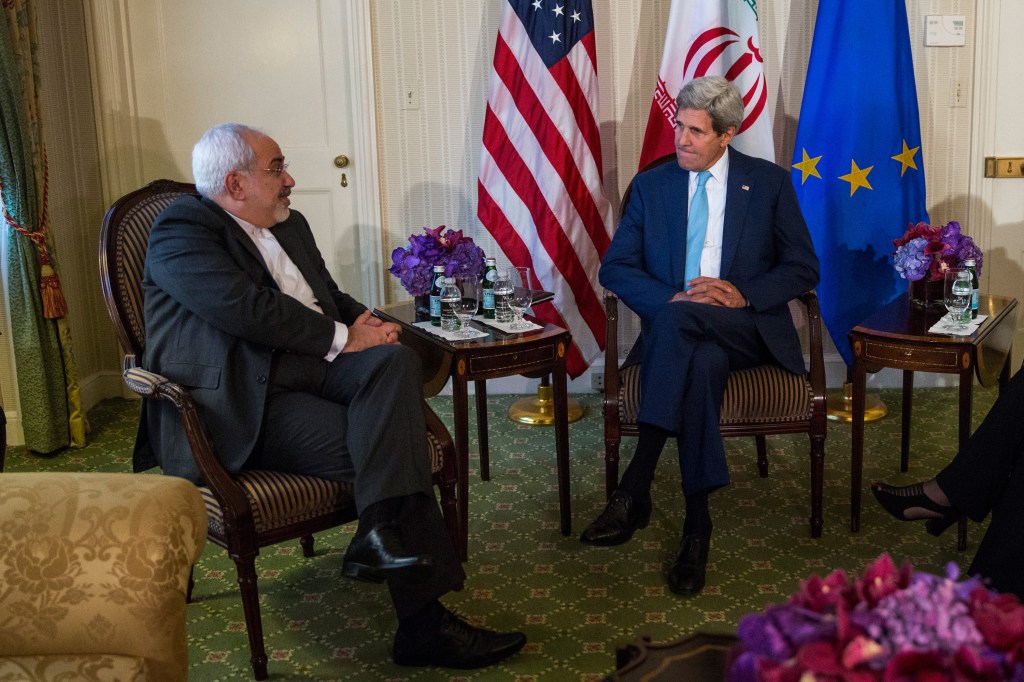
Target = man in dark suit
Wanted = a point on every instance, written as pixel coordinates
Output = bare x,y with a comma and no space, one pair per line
708,253
292,374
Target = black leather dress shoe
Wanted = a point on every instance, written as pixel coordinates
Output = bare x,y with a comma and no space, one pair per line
456,644
380,555
622,517
686,577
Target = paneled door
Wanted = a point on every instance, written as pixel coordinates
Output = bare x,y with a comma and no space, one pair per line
298,70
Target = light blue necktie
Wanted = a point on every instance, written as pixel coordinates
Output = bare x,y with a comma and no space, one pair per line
696,226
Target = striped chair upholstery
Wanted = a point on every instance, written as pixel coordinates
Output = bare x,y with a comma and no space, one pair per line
752,396
256,508
758,402
123,256
279,499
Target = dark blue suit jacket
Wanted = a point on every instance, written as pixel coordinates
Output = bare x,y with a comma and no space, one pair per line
767,251
215,319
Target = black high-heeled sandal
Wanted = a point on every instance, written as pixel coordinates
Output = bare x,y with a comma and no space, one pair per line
938,526
898,499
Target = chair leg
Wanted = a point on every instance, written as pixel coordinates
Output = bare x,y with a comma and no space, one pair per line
611,466
246,567
450,512
762,456
307,546
817,481
191,585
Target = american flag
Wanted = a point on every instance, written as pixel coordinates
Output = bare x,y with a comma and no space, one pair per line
540,188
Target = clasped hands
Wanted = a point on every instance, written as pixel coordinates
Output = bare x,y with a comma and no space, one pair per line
368,331
713,291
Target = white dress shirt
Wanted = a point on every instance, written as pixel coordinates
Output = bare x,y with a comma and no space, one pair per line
711,256
289,279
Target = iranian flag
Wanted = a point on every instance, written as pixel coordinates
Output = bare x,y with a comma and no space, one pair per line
711,38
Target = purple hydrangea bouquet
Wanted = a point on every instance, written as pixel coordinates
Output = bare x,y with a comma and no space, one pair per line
414,264
891,625
928,251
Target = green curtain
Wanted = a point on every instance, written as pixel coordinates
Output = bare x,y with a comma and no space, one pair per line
47,377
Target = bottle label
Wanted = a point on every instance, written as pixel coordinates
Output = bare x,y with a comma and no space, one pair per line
489,304
491,275
449,321
435,310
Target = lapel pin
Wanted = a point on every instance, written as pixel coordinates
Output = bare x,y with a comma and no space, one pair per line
745,188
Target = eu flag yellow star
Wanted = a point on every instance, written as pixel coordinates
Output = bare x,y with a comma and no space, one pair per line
808,166
907,158
857,177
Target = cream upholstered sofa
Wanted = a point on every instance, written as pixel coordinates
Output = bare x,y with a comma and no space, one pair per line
94,570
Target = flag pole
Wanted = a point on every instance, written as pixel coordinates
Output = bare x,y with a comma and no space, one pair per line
840,406
540,411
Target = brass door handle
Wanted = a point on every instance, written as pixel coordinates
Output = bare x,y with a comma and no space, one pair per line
341,161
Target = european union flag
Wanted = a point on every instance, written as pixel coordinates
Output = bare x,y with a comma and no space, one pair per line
858,167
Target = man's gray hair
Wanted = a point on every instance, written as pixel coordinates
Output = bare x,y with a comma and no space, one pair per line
715,96
222,149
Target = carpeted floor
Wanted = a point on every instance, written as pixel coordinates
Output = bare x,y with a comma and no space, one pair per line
576,603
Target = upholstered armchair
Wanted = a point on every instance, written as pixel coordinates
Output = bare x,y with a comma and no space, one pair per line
257,508
94,569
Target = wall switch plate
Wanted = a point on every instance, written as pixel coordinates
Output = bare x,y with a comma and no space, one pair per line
957,93
410,98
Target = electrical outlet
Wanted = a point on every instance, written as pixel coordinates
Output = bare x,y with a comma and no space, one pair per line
597,381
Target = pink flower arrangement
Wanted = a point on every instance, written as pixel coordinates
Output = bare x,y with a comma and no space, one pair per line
928,251
891,625
414,264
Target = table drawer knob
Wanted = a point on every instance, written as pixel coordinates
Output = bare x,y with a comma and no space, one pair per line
908,353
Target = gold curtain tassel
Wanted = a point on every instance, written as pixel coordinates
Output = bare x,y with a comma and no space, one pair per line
54,304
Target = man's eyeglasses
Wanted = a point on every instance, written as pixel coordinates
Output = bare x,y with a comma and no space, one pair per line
277,170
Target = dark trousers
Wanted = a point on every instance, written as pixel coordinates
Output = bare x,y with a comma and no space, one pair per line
361,421
984,477
690,348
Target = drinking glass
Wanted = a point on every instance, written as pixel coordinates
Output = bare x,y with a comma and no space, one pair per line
467,306
957,297
522,295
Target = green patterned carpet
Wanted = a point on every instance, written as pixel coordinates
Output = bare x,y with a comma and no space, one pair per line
576,603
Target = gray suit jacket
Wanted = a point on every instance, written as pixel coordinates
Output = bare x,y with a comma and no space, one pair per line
216,321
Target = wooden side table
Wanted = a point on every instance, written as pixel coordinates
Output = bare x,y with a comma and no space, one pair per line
497,355
897,336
